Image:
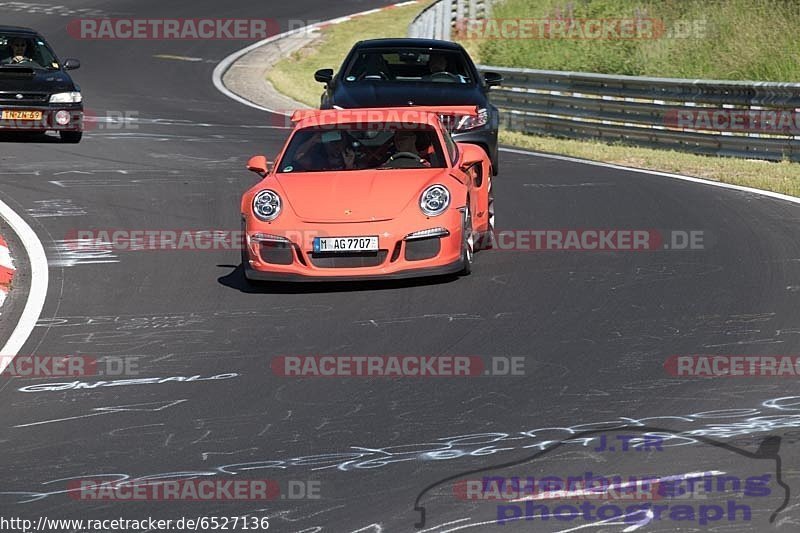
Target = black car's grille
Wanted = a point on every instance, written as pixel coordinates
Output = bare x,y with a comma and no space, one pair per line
348,260
11,98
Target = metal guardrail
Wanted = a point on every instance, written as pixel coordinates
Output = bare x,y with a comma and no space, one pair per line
633,110
437,21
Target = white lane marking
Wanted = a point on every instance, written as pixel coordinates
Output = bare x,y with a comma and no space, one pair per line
98,411
180,58
5,258
47,9
692,179
57,207
38,290
224,65
72,252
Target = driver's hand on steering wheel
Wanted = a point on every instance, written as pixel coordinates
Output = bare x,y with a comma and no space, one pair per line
19,59
349,158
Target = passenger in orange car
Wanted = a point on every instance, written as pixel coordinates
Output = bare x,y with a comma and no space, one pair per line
325,151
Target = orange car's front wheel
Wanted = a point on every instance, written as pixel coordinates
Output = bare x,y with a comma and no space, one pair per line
467,242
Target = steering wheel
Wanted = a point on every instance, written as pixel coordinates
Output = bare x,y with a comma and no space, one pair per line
405,155
14,60
374,76
444,76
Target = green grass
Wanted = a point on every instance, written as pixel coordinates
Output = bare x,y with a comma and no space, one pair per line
781,177
742,40
294,76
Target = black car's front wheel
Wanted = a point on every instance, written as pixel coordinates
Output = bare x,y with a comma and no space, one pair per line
70,137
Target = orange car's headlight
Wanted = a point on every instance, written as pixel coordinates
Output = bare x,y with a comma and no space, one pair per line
267,205
434,200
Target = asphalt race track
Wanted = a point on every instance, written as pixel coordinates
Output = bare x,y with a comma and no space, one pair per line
594,327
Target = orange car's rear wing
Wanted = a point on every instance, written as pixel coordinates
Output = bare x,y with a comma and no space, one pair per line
403,115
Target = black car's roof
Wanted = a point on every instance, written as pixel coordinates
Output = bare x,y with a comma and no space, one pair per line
408,43
17,29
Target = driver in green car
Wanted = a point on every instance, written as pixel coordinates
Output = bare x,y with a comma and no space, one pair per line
19,48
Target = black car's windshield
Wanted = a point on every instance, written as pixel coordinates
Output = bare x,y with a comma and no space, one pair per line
409,65
25,51
351,147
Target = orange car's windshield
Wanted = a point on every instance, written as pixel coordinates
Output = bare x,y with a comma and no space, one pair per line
347,147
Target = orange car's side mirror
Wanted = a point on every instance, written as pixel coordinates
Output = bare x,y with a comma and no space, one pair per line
258,164
470,155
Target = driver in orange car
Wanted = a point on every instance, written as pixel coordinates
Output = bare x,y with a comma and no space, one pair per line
406,142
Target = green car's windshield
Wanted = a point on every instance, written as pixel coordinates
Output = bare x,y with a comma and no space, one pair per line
25,51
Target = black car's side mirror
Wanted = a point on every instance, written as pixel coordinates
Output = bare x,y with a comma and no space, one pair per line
493,79
324,75
71,64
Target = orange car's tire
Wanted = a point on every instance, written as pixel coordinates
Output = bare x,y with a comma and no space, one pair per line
467,242
245,262
486,239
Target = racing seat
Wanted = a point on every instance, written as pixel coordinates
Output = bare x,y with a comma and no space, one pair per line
375,67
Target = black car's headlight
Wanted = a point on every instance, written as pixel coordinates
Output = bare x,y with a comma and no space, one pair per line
468,122
267,205
73,97
434,200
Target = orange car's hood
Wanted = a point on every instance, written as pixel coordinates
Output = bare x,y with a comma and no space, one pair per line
356,195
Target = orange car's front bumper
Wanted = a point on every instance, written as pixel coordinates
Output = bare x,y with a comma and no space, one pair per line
275,254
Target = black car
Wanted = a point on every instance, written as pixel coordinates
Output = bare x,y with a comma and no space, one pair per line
408,72
36,93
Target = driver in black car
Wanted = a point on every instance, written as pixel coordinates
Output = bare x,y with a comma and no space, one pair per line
439,70
437,63
19,48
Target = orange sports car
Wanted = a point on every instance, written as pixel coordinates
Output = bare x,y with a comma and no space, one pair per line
368,193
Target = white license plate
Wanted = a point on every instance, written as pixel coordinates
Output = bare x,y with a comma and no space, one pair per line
346,244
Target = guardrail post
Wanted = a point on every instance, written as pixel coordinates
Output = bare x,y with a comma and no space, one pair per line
447,19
